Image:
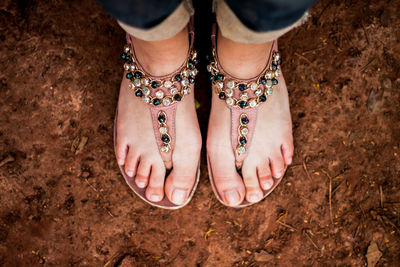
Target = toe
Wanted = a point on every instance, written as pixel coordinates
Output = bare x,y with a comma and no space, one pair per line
287,152
121,151
253,190
264,176
131,163
228,182
142,173
277,165
155,189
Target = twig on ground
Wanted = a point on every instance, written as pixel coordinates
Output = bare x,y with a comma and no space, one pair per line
303,57
330,194
312,242
288,226
99,194
6,160
381,195
305,168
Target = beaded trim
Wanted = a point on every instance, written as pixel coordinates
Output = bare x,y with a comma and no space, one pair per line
160,91
243,131
250,94
163,128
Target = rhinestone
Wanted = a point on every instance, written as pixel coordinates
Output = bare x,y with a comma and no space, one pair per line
262,98
242,140
253,86
123,56
220,85
222,95
244,131
166,101
270,91
277,56
178,97
274,81
263,80
129,75
253,103
167,84
268,75
138,75
163,130
186,73
146,90
244,120
277,73
186,90
165,138
127,50
145,99
191,80
242,104
138,93
159,94
268,84
126,66
137,82
241,150
128,59
194,72
154,84
144,81
156,102
279,62
209,68
185,82
173,90
244,97
178,77
242,87
165,148
258,92
131,85
132,67
274,67
161,118
229,92
231,84
220,77
230,101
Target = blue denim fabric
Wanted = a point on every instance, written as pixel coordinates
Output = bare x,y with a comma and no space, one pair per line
258,15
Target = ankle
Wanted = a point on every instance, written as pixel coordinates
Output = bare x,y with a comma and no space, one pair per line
163,57
243,61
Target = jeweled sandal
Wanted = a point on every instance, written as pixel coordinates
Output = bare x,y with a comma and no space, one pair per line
162,95
243,98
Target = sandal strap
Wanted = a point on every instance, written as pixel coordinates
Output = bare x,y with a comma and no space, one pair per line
162,93
243,96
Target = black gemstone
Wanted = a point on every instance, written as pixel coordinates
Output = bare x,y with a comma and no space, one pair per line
274,66
161,118
244,120
138,75
242,87
165,138
263,80
129,75
242,140
242,104
156,102
190,64
279,61
220,77
274,81
123,56
222,95
178,97
210,58
128,59
139,93
154,84
212,78
191,80
262,98
178,77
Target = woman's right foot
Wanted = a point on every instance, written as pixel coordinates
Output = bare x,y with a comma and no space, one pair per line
136,146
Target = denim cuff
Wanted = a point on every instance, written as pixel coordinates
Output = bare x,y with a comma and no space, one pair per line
232,28
168,28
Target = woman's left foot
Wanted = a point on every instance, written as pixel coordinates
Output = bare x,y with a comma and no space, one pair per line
271,148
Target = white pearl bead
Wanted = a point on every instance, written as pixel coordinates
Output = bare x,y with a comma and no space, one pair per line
167,84
159,94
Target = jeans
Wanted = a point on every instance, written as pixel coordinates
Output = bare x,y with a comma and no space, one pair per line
250,21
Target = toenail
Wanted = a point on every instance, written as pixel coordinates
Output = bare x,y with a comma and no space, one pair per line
120,161
278,175
178,196
267,184
155,198
141,184
232,196
254,197
289,161
129,173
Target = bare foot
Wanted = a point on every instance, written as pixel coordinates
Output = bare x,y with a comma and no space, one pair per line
271,148
137,149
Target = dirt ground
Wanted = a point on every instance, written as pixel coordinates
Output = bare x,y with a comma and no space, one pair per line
65,203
